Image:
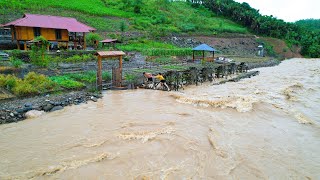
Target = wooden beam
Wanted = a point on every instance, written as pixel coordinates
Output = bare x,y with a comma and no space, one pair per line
203,55
99,73
213,55
84,41
120,67
120,62
192,55
12,33
25,45
18,45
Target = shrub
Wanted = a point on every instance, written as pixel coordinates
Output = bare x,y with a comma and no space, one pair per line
40,82
24,89
106,76
9,81
66,82
17,63
37,54
92,38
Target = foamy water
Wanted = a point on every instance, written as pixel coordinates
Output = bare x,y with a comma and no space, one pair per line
266,127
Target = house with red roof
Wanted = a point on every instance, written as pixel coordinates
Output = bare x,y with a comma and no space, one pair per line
54,28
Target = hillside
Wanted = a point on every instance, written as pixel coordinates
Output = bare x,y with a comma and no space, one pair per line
146,22
158,17
311,24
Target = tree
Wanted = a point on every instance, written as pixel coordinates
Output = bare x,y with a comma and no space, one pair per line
38,49
93,39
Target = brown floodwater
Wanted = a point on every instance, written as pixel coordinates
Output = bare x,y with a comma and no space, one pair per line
265,127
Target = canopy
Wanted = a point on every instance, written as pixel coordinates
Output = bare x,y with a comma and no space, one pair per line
204,47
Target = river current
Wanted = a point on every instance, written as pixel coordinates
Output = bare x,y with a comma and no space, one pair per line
264,127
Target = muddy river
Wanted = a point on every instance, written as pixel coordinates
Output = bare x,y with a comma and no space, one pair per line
265,127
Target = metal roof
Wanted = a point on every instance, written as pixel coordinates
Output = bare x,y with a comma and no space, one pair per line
109,40
52,22
110,53
203,47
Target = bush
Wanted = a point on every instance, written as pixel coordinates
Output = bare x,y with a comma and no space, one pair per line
17,63
40,82
106,76
32,84
92,38
24,89
67,82
9,81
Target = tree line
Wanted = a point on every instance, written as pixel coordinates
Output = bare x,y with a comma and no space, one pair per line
294,33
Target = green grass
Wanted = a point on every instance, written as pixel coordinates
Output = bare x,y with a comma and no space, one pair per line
143,44
79,80
175,67
156,18
66,82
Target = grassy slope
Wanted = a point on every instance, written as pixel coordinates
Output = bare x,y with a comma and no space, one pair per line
106,15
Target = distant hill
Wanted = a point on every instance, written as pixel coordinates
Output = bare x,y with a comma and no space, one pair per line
311,24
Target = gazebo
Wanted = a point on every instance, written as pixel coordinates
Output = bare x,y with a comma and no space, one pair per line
203,48
116,72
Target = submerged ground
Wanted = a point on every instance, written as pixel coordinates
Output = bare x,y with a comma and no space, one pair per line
266,127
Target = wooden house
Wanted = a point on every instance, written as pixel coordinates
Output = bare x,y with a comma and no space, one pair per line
53,28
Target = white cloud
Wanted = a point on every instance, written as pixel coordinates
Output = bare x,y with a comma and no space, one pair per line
288,10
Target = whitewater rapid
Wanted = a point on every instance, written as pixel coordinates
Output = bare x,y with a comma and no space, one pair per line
265,127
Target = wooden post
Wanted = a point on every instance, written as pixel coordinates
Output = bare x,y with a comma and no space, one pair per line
47,47
84,41
99,73
12,33
18,45
25,45
120,62
203,55
75,41
213,55
120,68
192,55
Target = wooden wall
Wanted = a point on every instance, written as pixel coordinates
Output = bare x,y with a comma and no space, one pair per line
27,34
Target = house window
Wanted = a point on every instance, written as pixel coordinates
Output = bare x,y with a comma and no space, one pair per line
36,31
58,34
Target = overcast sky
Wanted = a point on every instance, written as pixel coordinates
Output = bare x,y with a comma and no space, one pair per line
288,10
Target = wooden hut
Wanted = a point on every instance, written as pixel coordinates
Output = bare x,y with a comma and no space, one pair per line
53,28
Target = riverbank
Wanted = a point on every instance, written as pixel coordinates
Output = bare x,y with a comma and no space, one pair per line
17,109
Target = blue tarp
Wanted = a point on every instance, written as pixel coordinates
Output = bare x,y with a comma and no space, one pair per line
203,47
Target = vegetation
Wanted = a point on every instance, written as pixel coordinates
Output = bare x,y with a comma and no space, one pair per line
38,53
310,24
159,17
68,83
79,80
93,38
17,63
32,84
266,25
